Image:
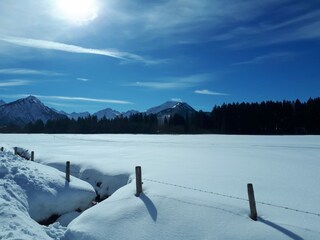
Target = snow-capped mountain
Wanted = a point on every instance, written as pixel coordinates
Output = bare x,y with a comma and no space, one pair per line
181,108
170,108
108,113
30,109
26,110
164,106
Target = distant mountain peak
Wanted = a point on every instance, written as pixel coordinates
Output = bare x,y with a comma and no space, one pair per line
31,99
169,106
107,113
26,110
164,106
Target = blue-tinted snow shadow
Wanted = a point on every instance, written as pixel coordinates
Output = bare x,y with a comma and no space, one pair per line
150,206
280,229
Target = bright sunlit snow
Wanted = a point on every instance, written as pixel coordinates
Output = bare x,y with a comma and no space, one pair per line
194,185
31,192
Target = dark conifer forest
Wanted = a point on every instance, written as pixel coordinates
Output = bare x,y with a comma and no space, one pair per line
265,118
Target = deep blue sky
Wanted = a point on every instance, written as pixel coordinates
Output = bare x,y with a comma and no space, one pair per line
90,54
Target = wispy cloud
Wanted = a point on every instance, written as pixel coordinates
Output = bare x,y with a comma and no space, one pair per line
83,79
238,21
61,104
24,71
176,99
84,99
161,85
67,98
208,92
173,82
213,19
279,56
14,83
303,25
58,46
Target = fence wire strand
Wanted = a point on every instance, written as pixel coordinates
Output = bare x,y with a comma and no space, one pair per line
232,197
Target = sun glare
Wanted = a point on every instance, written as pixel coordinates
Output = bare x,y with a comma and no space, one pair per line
78,12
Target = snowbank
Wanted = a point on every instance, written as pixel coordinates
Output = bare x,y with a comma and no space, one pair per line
33,192
104,183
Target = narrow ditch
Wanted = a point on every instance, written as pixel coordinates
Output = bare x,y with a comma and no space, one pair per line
104,185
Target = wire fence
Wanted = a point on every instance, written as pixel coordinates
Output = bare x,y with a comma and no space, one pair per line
73,172
232,197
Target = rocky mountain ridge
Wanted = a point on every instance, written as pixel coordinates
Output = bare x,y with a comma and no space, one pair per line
31,109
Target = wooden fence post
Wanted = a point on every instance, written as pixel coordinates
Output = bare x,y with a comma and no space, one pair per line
2,149
138,181
32,155
15,150
68,171
252,203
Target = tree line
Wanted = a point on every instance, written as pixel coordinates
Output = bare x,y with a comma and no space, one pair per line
265,118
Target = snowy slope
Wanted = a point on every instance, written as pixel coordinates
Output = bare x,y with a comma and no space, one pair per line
180,108
171,108
164,106
33,192
194,186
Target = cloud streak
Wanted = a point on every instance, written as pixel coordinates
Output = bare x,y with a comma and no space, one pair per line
14,83
83,79
173,83
58,46
162,85
67,98
83,99
208,92
267,57
301,26
24,71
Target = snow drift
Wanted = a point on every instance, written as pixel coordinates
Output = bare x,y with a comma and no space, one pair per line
32,192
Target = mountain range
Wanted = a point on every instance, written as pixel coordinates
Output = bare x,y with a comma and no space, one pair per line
30,109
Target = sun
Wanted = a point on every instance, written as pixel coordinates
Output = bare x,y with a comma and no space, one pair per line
79,12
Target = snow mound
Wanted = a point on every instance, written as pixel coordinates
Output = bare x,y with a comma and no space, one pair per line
104,183
31,192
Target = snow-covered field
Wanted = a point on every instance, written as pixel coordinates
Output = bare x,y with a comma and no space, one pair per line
195,187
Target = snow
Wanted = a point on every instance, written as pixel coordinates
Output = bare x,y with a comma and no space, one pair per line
194,186
26,110
164,106
32,192
65,219
24,153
